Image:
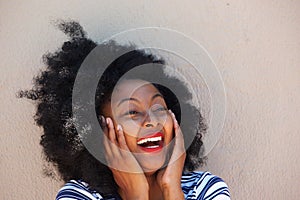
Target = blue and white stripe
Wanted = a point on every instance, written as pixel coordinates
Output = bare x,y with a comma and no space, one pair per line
77,190
195,185
203,186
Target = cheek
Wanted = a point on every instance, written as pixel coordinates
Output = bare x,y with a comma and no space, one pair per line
130,127
131,142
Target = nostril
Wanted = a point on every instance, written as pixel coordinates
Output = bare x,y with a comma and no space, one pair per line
149,125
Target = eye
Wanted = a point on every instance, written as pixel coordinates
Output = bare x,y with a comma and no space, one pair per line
132,112
159,108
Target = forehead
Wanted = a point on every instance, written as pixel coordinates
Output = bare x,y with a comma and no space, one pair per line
133,88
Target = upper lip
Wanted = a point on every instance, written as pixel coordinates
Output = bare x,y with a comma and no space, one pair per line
151,135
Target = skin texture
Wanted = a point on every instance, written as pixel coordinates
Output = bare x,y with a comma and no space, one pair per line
146,178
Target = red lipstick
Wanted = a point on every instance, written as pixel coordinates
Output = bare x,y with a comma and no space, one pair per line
151,142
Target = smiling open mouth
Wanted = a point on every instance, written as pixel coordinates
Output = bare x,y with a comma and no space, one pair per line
151,143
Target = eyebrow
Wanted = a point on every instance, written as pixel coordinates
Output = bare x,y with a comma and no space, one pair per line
134,99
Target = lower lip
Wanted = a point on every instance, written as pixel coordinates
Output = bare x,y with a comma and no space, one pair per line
151,150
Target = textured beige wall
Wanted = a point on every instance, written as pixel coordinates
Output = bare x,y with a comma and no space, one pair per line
255,45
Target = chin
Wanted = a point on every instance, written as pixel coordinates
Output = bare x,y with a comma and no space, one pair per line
152,163
152,168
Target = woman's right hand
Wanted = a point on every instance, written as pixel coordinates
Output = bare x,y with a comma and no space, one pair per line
126,170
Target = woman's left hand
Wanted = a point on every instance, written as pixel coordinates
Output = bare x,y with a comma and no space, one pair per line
169,178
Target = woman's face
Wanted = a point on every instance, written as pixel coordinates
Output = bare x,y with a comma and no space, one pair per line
142,112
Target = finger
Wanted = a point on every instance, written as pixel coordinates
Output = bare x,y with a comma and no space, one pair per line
121,138
179,140
177,129
175,122
106,141
105,133
113,143
111,131
107,147
103,124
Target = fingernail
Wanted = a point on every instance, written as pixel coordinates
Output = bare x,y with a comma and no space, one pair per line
107,121
102,120
176,121
119,127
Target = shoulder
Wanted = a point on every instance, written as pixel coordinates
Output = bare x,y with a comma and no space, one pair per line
77,190
204,185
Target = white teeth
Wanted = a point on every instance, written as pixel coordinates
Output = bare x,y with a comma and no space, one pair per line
154,139
152,147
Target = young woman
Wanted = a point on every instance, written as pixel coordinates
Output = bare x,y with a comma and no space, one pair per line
143,142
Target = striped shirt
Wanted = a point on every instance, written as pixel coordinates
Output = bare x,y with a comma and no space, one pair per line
195,185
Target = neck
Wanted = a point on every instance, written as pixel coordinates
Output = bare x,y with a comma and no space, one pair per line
154,190
151,178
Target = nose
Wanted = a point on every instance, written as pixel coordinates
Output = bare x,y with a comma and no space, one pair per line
150,119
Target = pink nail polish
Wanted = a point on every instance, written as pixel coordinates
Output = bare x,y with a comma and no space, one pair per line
119,127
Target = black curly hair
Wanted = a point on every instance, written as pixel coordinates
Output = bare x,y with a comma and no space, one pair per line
52,92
